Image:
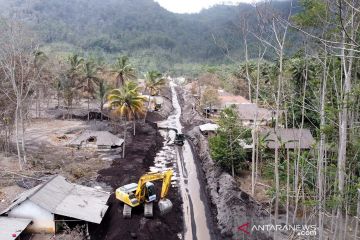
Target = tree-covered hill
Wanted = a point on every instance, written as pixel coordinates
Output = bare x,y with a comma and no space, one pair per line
142,29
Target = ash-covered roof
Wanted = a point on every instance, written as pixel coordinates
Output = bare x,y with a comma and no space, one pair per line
228,100
61,197
249,111
291,137
11,228
103,138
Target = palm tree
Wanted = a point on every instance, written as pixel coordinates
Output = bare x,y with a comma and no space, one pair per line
127,103
70,80
124,71
153,82
90,81
40,59
76,63
102,93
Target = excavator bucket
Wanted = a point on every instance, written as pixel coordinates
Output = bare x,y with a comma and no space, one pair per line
165,206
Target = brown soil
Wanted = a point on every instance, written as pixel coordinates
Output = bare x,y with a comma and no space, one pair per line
139,156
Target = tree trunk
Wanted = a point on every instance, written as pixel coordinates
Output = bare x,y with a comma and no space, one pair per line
125,130
276,164
17,135
320,173
343,124
101,110
22,123
300,138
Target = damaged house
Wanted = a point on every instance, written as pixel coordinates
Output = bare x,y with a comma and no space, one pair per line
97,139
58,201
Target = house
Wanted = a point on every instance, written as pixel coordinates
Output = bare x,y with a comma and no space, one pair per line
208,129
96,139
230,100
156,102
58,200
248,112
13,228
291,138
225,100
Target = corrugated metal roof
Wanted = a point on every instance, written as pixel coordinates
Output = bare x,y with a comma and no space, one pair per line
103,138
10,226
291,137
60,197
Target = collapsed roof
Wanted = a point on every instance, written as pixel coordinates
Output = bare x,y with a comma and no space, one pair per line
61,197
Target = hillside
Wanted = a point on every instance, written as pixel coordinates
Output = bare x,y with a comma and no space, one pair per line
153,36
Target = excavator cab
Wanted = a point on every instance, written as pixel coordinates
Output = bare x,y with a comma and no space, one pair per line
179,139
144,192
150,194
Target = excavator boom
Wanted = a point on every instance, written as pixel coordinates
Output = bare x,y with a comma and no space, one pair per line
149,177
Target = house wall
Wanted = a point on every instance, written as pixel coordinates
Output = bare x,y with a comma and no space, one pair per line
43,220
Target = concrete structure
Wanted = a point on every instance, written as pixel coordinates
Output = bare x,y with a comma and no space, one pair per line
97,139
208,128
11,228
291,138
56,199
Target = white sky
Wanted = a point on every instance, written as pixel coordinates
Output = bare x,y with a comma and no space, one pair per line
193,6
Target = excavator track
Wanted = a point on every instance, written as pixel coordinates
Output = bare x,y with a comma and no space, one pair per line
148,210
127,211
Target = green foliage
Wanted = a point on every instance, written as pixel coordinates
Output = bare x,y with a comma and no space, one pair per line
225,148
127,101
153,37
154,80
314,12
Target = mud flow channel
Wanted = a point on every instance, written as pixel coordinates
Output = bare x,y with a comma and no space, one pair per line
186,176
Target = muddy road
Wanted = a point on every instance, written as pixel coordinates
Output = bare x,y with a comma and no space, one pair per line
188,177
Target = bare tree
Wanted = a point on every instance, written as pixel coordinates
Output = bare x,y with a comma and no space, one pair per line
17,68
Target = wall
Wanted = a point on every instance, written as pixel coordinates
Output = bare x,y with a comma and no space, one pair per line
43,220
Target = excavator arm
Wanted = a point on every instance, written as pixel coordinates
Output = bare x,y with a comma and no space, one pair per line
165,176
166,183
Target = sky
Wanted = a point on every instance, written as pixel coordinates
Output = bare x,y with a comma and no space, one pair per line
193,6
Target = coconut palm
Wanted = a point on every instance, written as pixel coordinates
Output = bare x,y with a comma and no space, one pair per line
42,76
103,88
90,81
69,81
153,82
76,63
127,103
124,71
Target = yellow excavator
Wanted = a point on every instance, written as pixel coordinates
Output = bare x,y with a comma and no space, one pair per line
143,192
